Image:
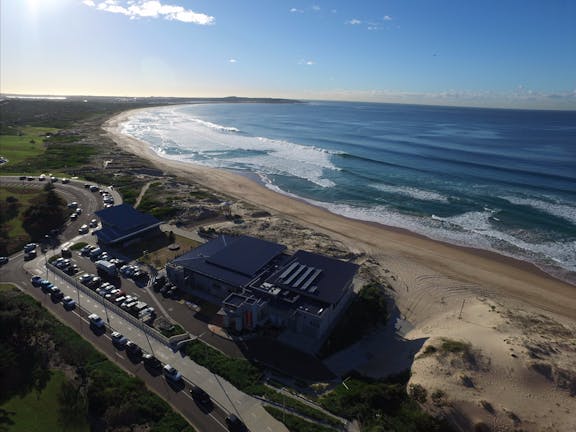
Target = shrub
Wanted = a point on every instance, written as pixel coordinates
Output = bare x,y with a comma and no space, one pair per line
418,393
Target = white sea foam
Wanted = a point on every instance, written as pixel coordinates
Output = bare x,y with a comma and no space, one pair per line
420,194
562,210
215,126
210,144
472,229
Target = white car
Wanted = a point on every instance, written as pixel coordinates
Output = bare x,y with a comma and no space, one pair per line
171,373
83,229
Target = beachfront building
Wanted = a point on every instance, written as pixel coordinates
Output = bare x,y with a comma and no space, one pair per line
257,284
123,223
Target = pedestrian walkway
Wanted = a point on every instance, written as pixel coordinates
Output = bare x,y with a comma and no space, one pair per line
193,235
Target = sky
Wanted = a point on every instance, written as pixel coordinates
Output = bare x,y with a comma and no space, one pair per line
502,53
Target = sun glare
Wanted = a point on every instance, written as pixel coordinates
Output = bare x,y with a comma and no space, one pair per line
34,5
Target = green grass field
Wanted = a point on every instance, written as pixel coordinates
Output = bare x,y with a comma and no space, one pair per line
36,412
24,195
17,148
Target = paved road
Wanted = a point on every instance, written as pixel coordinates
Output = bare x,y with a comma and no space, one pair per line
227,398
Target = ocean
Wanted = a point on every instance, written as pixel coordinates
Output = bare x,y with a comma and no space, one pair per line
494,179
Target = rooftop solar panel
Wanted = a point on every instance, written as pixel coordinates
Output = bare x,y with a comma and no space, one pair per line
304,276
311,279
295,274
289,270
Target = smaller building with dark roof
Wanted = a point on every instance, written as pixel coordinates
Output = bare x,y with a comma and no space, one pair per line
123,223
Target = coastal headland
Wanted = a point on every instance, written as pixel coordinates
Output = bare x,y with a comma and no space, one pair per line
518,322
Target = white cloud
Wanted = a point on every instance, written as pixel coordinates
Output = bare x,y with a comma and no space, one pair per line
307,62
354,21
151,9
232,60
387,18
294,10
316,8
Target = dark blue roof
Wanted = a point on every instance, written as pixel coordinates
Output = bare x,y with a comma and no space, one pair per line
330,276
233,260
122,221
246,255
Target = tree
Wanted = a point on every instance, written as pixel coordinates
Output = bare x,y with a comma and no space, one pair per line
73,408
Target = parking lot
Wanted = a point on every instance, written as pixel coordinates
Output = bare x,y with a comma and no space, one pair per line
124,285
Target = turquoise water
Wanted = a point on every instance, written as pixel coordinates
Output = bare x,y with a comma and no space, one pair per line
502,180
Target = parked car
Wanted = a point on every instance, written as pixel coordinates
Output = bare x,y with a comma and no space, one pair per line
68,303
56,294
93,283
36,280
83,229
200,396
93,223
30,247
4,260
85,278
171,373
133,350
118,339
151,362
96,322
29,255
46,286
158,282
234,423
72,205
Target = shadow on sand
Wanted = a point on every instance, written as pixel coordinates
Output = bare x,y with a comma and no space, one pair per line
382,353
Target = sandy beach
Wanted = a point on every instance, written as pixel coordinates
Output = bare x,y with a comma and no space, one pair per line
495,303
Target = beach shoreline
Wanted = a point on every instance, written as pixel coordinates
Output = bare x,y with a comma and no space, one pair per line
487,269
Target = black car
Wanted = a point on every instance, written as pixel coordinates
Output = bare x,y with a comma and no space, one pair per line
29,255
3,260
164,288
133,350
158,283
151,362
200,396
235,424
56,294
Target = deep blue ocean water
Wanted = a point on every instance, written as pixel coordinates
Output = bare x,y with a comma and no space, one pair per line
502,180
